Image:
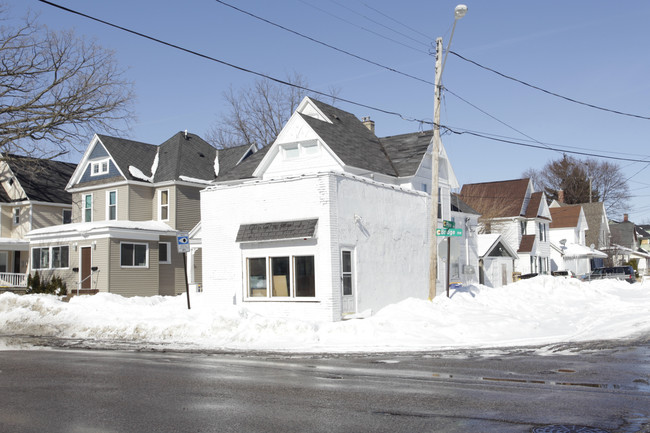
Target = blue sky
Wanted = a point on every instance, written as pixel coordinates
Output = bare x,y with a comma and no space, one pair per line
590,51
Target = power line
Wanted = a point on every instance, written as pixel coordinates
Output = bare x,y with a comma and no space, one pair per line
517,143
398,22
362,28
239,68
548,91
321,42
380,24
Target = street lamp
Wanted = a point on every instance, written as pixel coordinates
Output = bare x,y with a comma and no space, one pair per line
459,12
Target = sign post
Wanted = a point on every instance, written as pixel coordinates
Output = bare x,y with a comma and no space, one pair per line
448,230
183,244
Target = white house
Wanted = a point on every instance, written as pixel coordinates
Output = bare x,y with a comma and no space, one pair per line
520,215
496,260
567,234
328,221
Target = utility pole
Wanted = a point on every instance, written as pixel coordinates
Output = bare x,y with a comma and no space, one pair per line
435,159
459,12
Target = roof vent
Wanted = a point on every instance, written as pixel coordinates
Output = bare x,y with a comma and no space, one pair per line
186,134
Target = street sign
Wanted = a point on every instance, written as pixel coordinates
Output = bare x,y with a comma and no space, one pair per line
183,242
448,224
449,232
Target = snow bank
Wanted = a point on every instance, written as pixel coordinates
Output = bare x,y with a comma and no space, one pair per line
543,310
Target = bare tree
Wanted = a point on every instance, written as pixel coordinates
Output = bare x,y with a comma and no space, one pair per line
582,181
56,88
257,114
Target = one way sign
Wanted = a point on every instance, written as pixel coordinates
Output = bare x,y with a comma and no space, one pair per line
183,242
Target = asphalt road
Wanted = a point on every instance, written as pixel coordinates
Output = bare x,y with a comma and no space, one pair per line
604,386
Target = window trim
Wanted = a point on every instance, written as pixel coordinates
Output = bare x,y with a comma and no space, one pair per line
145,266
291,278
16,216
169,255
50,257
99,164
161,205
86,209
63,211
108,205
300,149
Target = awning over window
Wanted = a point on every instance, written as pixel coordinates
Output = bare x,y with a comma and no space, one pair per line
276,231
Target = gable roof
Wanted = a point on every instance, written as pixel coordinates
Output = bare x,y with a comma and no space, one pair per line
407,150
527,244
565,216
242,170
458,205
497,199
350,139
42,180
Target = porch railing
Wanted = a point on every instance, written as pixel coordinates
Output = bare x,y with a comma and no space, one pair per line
8,279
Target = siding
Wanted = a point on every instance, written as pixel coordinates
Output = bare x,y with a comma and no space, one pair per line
133,281
140,199
188,208
172,276
6,221
46,216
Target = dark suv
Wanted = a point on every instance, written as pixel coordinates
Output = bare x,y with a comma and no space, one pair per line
619,272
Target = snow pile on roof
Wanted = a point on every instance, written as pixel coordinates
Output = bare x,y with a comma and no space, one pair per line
87,228
539,311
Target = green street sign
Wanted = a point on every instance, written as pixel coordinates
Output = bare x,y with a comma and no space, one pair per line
448,224
449,232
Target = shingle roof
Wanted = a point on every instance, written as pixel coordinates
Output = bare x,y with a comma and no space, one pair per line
279,230
245,169
496,199
594,213
458,205
352,142
527,244
532,209
407,150
565,217
43,180
181,155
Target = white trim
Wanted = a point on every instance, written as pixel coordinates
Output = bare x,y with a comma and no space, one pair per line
99,163
108,205
135,266
160,205
169,253
84,208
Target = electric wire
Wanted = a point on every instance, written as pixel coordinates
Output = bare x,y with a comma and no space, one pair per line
429,38
362,28
379,24
321,42
222,62
548,91
283,82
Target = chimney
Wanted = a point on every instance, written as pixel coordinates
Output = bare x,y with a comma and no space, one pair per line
370,124
560,196
624,217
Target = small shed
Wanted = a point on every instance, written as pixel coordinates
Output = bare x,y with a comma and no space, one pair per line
496,260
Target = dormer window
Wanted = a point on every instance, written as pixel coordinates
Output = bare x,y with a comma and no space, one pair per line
301,149
97,168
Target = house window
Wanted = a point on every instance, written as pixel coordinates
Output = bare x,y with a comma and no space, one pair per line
257,277
346,272
111,205
67,216
134,255
16,216
88,208
164,256
59,257
163,205
523,227
542,231
301,149
305,276
97,168
291,277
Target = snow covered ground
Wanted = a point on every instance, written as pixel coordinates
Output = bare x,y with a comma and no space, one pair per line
539,311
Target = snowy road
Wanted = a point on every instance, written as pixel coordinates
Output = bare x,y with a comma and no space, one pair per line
604,385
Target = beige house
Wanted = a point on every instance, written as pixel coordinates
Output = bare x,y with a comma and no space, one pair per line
130,200
32,196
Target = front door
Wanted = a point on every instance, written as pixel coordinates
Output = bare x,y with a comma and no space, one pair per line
348,300
86,263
